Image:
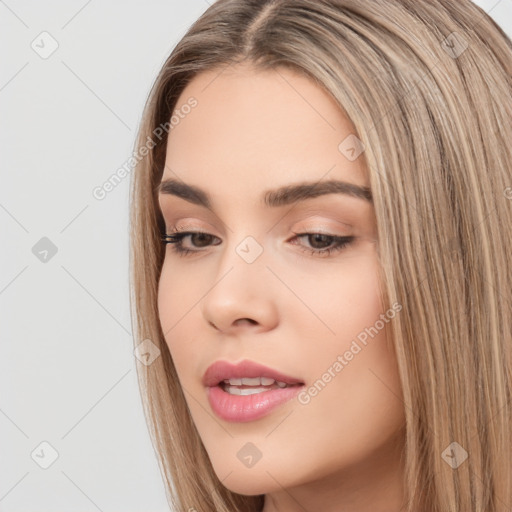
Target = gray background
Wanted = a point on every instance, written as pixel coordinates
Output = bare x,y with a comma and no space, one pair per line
67,369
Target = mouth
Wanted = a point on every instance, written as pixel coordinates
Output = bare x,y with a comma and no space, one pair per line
247,391
251,386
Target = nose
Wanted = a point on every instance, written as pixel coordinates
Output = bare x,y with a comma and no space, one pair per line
243,296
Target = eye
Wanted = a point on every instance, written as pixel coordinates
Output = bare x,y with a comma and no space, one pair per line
322,239
202,239
176,239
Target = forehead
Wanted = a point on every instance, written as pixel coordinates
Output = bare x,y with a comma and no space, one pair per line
252,128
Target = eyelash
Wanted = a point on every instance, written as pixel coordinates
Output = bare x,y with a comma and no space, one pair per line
176,239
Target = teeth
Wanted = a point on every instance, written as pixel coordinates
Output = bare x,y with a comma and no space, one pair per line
233,382
256,382
233,390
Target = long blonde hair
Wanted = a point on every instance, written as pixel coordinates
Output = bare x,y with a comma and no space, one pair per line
428,86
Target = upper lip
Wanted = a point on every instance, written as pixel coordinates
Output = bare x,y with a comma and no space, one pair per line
223,370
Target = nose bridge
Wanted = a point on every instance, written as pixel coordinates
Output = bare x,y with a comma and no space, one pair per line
250,249
242,287
244,257
245,240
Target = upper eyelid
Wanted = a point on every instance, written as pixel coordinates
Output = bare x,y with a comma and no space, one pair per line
314,219
312,213
178,229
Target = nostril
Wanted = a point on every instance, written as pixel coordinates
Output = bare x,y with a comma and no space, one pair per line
249,320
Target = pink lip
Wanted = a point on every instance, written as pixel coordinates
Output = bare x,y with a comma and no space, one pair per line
221,370
243,408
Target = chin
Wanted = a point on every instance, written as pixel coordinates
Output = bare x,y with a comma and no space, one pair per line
244,487
248,482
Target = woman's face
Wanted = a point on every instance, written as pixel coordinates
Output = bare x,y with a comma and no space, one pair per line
252,290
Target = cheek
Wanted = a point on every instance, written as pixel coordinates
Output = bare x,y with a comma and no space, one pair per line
177,295
354,391
343,301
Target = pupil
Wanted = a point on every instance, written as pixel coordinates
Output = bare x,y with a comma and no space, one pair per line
202,237
319,237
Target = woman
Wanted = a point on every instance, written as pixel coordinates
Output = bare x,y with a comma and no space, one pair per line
321,255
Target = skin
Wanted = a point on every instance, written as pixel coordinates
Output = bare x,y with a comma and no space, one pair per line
291,310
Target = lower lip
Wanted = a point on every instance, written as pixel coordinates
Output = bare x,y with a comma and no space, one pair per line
242,408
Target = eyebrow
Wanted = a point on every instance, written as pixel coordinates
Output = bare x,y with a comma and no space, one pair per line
282,196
